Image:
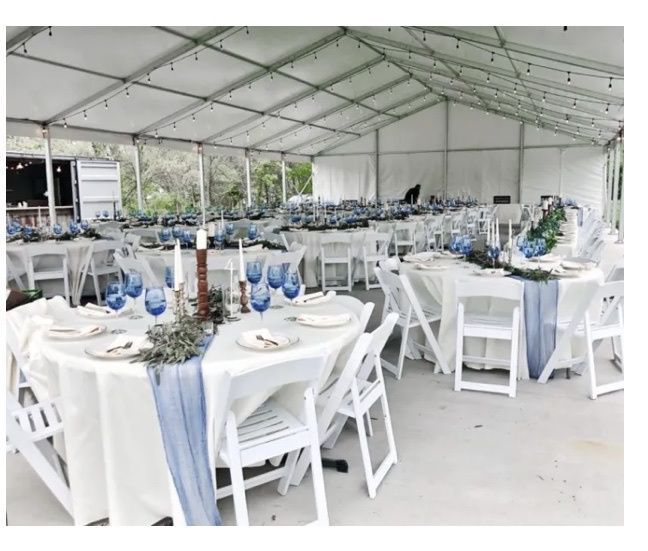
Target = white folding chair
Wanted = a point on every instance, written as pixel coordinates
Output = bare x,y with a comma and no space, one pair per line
100,261
284,241
14,273
291,257
138,264
271,431
133,240
405,237
485,326
335,250
616,273
358,388
374,249
610,297
401,299
37,255
434,233
392,264
28,431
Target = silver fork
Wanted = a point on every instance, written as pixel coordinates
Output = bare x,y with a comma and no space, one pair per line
261,338
124,346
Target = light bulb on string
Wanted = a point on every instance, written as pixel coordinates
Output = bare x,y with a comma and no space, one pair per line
544,97
196,56
106,104
434,64
221,44
156,134
568,77
492,57
24,47
359,45
424,37
292,64
457,46
85,115
247,30
488,77
592,123
172,65
315,56
64,123
461,69
496,92
607,108
193,118
250,86
50,31
230,94
515,88
148,77
528,71
409,54
574,104
174,126
127,92
211,107
610,84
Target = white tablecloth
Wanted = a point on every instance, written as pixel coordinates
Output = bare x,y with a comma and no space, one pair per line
113,443
437,287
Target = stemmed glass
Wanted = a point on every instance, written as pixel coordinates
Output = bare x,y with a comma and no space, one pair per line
85,225
155,301
541,246
57,230
466,245
176,232
260,298
529,248
494,252
165,235
275,277
187,238
253,232
134,289
219,237
73,228
116,300
291,285
229,229
253,272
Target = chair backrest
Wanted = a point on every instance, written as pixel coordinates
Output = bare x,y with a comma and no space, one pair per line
405,231
133,240
303,370
336,238
14,272
616,273
35,250
396,299
610,295
475,287
141,265
293,258
377,243
362,311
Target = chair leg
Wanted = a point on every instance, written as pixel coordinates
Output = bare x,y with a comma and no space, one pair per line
401,353
316,461
388,425
95,280
366,458
590,358
284,481
236,474
339,426
514,356
459,350
367,417
366,271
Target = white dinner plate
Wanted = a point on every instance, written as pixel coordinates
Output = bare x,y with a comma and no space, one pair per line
75,333
283,341
493,272
121,354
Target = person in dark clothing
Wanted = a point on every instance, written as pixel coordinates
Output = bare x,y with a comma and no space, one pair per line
412,194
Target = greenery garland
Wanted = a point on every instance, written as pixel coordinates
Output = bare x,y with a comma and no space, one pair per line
481,259
549,227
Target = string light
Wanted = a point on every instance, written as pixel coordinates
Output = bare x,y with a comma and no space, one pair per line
85,115
424,37
172,65
461,69
193,118
148,77
592,123
568,77
127,92
544,97
488,77
230,94
292,64
196,56
607,108
64,123
156,134
105,104
515,88
574,104
457,46
247,30
496,92
434,64
24,47
211,107
174,127
610,84
50,31
528,71
492,57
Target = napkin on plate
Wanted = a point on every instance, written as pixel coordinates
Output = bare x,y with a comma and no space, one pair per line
250,338
63,330
313,298
421,257
121,340
91,310
324,320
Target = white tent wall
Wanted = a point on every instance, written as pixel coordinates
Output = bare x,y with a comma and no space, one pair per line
483,160
344,177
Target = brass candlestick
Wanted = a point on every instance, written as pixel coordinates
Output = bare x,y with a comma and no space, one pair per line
244,299
202,311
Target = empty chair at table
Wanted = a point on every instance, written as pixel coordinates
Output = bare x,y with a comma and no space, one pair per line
100,262
292,258
433,228
272,430
138,264
133,240
48,263
15,270
374,249
401,299
404,238
476,324
335,251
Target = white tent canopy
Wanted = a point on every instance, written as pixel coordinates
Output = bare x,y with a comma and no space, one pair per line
378,108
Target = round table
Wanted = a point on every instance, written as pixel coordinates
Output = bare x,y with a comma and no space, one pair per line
437,288
113,444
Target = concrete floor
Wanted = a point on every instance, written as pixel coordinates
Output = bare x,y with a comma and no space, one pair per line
550,456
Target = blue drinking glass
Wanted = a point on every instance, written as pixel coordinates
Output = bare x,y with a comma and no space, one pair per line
155,301
541,246
176,232
466,245
186,237
169,278
253,272
229,229
165,235
275,276
219,237
134,287
295,219
529,248
97,214
291,285
493,252
73,228
57,230
105,214
85,225
260,298
253,232
115,299
27,232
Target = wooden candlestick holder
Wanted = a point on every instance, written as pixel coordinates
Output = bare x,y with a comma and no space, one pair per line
244,298
202,310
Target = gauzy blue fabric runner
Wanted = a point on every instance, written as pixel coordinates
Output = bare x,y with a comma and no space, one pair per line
540,319
180,403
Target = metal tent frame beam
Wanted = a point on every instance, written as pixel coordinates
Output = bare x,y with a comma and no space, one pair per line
21,37
549,55
162,60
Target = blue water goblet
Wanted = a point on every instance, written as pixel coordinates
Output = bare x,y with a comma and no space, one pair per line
176,232
187,238
291,285
57,230
219,238
275,276
229,229
165,235
253,232
260,298
105,214
134,288
155,301
529,248
494,252
253,272
541,246
85,225
115,300
466,245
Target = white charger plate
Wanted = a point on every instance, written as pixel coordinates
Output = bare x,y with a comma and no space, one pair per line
283,343
76,334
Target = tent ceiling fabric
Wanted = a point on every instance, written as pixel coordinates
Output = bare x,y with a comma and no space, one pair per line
307,90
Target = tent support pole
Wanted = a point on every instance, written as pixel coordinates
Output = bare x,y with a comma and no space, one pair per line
521,162
138,175
445,150
201,181
49,176
621,232
615,186
248,185
283,178
377,154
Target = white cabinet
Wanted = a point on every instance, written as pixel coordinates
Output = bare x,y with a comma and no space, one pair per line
97,187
